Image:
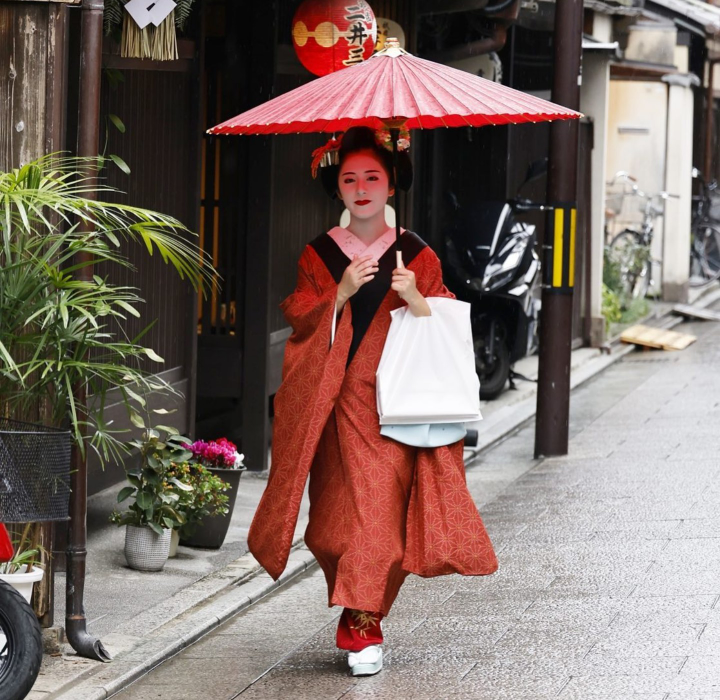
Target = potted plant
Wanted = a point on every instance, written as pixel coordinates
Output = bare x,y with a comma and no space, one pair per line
155,492
22,571
62,346
207,499
60,327
222,459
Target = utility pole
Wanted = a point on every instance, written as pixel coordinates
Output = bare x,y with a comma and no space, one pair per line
553,398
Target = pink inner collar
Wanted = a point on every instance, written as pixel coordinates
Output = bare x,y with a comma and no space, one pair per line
351,245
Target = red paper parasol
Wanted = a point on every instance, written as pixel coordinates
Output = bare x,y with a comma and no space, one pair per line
392,89
394,85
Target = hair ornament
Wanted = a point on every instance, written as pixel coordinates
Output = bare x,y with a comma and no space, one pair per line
384,138
329,154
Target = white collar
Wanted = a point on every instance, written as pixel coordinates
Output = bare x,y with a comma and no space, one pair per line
351,245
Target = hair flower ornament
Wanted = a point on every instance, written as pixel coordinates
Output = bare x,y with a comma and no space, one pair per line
326,155
384,138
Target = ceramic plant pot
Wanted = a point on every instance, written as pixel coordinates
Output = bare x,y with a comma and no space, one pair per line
174,542
211,532
22,582
145,550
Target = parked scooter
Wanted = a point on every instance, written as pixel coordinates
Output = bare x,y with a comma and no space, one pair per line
20,636
492,264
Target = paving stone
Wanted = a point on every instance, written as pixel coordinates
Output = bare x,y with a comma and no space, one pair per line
301,684
513,685
586,613
471,603
182,677
695,582
620,584
581,687
600,692
550,643
693,609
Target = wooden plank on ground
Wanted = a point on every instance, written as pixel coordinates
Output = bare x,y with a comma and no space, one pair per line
692,312
659,338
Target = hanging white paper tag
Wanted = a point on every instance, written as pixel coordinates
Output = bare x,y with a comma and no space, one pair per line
145,12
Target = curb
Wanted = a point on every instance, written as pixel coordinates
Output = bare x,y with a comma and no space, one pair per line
244,582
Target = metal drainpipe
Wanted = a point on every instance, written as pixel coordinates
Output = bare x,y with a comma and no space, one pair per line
88,134
709,118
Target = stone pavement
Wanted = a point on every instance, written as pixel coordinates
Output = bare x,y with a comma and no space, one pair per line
110,609
609,579
168,610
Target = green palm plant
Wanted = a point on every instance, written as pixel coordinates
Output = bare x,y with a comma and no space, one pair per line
62,327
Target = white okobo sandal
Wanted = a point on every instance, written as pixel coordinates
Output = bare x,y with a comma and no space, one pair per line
366,662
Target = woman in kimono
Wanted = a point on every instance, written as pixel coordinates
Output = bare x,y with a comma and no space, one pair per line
379,509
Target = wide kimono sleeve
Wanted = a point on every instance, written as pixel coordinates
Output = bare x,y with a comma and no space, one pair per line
313,371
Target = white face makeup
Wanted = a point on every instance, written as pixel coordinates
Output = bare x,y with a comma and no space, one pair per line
363,185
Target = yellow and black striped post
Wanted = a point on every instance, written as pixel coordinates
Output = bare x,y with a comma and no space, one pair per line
559,256
552,422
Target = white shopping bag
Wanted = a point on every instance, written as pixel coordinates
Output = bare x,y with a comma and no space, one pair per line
427,369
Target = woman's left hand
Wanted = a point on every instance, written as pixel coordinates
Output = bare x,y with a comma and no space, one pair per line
403,282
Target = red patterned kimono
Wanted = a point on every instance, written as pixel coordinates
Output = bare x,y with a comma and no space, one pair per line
379,509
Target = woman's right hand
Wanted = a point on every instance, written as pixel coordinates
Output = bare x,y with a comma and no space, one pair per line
359,272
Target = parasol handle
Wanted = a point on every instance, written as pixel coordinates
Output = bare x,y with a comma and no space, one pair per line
394,135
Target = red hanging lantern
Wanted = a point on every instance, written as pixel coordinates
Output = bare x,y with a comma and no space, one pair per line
332,34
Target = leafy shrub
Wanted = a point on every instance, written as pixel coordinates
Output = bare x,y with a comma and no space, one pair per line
611,307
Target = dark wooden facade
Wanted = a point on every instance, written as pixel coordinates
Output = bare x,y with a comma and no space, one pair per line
257,205
252,199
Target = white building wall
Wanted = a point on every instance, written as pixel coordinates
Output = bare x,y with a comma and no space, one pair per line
678,179
637,140
594,102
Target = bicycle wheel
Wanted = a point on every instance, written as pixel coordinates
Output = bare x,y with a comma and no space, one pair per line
633,262
706,254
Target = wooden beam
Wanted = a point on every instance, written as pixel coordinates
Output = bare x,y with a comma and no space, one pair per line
638,70
436,7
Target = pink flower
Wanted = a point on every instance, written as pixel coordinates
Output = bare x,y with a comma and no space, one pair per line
227,443
216,453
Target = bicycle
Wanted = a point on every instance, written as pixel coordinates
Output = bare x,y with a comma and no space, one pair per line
705,234
630,250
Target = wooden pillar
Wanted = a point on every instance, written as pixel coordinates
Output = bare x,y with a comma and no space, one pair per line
32,80
33,86
258,249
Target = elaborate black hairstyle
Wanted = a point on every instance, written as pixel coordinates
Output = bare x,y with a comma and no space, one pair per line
362,138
